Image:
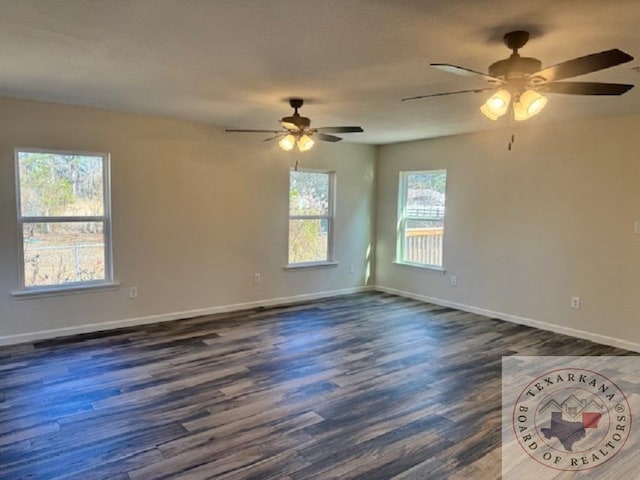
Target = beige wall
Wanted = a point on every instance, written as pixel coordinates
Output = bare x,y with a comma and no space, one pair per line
196,212
528,229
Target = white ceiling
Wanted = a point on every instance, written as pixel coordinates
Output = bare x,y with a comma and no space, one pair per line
233,63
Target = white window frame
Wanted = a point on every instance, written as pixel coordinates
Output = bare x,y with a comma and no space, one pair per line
403,218
330,217
105,219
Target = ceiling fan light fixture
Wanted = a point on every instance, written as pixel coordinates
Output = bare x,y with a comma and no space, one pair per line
529,104
305,142
287,142
516,74
496,105
488,113
297,131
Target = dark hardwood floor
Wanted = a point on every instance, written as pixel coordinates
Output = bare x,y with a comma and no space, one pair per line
367,386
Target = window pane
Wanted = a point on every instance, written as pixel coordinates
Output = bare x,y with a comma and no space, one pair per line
424,211
62,253
308,240
53,184
423,242
309,193
426,194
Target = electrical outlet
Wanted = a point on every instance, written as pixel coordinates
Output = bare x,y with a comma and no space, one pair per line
133,292
351,269
453,280
575,302
636,227
257,278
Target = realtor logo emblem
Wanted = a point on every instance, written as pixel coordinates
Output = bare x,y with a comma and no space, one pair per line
572,419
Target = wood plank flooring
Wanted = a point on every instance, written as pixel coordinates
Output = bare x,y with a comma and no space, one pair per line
368,386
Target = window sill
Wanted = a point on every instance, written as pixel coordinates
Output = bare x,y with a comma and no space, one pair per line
434,268
296,266
38,292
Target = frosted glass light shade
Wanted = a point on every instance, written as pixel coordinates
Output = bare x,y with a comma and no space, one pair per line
305,142
496,105
530,103
287,142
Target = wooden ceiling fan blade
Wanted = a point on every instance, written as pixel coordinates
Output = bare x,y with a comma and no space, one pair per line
327,138
467,72
583,65
476,90
236,130
586,88
340,129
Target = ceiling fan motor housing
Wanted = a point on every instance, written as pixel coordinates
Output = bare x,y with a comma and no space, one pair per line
298,120
515,66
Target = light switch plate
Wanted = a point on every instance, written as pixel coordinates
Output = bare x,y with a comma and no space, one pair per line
636,227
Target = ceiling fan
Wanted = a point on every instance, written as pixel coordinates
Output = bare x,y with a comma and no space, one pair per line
520,81
297,130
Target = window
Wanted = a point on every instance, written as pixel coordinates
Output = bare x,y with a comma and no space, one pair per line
310,217
421,207
63,219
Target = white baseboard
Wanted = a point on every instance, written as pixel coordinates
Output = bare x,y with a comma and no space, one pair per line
131,322
572,332
165,317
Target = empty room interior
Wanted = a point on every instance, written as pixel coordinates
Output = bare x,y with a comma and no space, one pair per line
295,239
